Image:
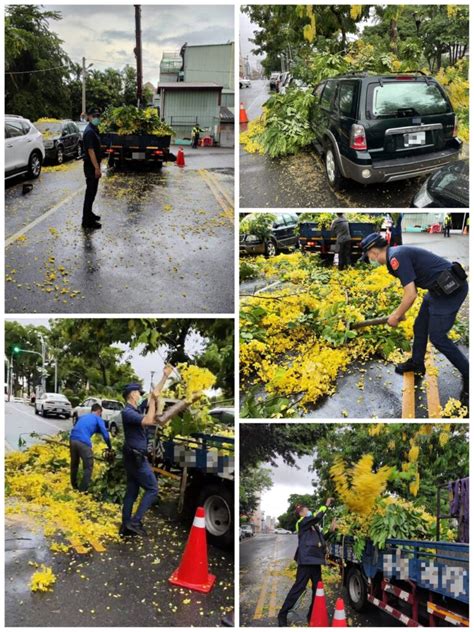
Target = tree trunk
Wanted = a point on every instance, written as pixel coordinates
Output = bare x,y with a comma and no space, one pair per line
104,372
393,35
438,59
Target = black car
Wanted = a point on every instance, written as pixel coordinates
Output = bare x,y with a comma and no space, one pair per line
446,188
383,128
283,236
62,139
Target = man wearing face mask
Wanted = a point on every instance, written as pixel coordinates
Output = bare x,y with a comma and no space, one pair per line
309,556
447,288
91,146
137,467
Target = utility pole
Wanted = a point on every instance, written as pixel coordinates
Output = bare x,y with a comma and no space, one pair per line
138,52
10,377
83,110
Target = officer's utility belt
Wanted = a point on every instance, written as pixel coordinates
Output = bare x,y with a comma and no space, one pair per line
137,455
449,281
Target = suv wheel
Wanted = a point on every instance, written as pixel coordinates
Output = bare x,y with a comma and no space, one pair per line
79,150
271,249
60,155
34,165
333,173
43,412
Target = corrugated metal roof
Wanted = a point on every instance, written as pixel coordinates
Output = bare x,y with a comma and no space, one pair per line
189,85
226,115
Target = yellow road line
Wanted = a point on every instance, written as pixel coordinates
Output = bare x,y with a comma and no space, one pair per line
258,614
96,545
273,592
222,189
432,390
408,396
221,196
77,546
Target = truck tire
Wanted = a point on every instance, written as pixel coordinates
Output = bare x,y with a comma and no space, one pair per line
333,173
218,503
356,589
271,249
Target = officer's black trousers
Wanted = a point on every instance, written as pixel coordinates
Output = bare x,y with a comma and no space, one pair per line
304,574
434,321
344,255
92,184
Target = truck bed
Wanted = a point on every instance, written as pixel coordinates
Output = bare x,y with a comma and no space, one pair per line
139,141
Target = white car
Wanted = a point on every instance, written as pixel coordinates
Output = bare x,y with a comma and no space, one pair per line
245,83
53,404
24,148
279,531
110,409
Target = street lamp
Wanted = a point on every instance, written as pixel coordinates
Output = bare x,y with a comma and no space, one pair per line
10,372
84,74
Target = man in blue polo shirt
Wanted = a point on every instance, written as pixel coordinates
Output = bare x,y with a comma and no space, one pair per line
81,445
137,467
447,288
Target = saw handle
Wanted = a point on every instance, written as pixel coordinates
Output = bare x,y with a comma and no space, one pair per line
369,323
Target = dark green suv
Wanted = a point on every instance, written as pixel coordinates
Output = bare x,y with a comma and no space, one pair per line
382,128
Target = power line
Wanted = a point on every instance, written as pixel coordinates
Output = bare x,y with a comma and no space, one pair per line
29,72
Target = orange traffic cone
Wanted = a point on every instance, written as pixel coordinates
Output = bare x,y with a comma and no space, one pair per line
192,572
243,114
180,158
319,612
339,620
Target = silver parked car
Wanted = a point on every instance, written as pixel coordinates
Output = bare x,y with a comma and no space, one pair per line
53,404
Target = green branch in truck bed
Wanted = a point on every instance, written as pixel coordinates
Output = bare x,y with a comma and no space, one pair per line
129,119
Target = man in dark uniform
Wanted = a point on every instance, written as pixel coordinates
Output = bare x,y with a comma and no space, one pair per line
418,268
137,467
340,227
92,156
309,556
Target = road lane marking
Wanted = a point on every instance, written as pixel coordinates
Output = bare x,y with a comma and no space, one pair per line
222,197
408,395
432,389
222,189
41,218
263,591
38,418
272,605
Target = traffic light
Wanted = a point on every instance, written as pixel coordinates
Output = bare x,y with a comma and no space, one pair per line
16,349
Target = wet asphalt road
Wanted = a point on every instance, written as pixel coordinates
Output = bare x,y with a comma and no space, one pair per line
373,389
265,582
166,245
20,419
300,181
126,586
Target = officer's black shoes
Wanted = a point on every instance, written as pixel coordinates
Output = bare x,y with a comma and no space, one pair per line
228,620
91,225
409,365
464,396
144,531
282,620
124,532
96,218
136,528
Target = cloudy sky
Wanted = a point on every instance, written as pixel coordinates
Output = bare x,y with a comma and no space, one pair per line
105,34
142,365
287,480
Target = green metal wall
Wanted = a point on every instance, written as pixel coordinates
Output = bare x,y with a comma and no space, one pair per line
181,107
210,63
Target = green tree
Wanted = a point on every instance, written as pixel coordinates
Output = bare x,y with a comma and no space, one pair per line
289,519
253,482
37,68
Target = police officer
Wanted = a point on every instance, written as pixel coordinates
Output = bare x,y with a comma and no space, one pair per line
195,136
340,227
418,268
92,154
309,556
80,445
137,467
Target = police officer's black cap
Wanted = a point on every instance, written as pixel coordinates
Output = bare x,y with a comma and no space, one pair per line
133,386
374,240
93,110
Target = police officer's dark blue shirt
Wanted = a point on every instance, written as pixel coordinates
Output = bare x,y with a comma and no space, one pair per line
88,425
135,433
91,140
417,265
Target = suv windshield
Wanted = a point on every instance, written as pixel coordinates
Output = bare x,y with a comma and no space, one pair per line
407,98
49,129
111,405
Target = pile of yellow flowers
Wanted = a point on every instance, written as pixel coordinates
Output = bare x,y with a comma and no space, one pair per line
38,485
43,580
248,138
296,337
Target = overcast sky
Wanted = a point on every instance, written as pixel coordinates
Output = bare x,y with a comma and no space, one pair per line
141,364
287,480
107,32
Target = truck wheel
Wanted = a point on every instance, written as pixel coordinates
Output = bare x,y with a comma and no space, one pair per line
356,589
271,249
218,504
333,173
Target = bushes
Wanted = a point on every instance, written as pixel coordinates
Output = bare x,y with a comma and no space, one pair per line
129,119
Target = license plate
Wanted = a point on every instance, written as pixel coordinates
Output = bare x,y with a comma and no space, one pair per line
415,138
138,155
